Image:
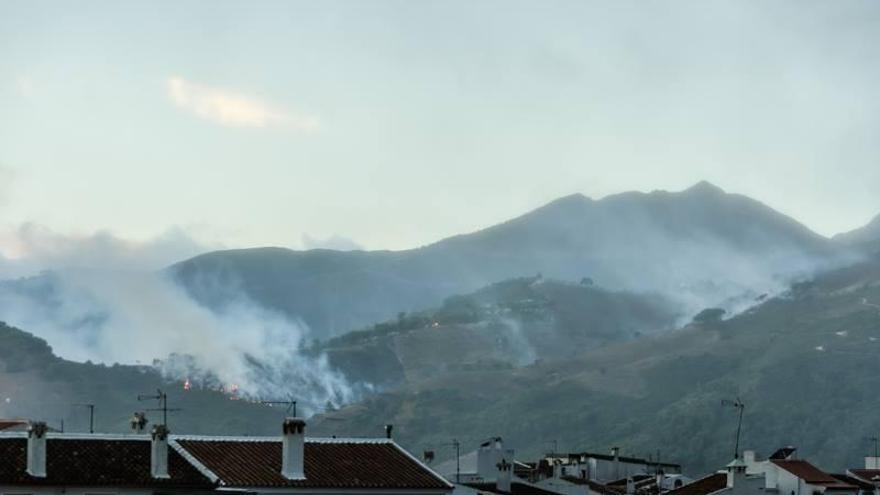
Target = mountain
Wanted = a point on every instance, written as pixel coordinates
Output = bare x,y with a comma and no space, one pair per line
701,247
36,384
867,237
506,325
802,363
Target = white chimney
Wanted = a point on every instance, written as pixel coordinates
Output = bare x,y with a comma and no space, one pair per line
159,452
36,449
504,476
615,451
872,462
488,455
736,473
292,449
630,486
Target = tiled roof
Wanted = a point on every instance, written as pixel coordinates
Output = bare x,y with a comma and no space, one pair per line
7,424
355,464
594,486
872,475
810,473
95,462
852,480
702,486
516,488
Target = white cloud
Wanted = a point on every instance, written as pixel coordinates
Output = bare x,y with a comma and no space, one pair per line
232,109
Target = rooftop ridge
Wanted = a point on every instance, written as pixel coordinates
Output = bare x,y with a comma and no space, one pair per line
244,438
207,473
420,463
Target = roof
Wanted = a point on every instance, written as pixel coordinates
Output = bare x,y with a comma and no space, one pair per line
594,486
328,463
810,473
872,475
516,488
78,461
852,480
783,453
702,486
608,457
8,424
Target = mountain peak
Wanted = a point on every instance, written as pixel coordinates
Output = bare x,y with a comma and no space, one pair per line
704,187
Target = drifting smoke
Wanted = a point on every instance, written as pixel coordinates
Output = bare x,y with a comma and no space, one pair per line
145,317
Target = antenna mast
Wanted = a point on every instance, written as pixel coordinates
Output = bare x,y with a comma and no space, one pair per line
290,403
738,404
162,397
91,415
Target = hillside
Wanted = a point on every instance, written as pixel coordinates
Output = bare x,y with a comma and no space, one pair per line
505,325
701,247
801,362
36,384
866,238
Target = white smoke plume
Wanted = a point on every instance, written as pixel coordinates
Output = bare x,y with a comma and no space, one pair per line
144,317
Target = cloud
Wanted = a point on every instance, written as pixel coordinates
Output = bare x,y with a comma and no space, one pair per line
335,242
232,109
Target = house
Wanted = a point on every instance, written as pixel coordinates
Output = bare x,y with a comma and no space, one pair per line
867,478
600,467
780,474
47,463
41,462
787,475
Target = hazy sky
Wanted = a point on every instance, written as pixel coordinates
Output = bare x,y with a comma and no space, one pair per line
398,123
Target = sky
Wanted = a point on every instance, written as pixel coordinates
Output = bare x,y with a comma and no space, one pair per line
185,126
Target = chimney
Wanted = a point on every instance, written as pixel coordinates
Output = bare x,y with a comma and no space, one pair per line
736,473
388,429
292,449
159,452
36,449
139,422
630,486
488,455
504,476
872,462
615,451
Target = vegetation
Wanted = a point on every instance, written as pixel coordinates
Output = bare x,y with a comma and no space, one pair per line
802,363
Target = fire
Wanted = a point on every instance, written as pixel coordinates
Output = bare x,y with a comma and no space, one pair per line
187,385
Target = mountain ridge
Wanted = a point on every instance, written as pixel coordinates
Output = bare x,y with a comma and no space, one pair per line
629,241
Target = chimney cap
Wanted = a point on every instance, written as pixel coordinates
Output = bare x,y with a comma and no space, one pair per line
293,425
37,429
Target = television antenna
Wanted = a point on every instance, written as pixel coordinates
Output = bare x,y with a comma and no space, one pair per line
290,403
162,397
738,404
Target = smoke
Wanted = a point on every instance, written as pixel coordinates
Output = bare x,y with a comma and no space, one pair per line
335,241
137,316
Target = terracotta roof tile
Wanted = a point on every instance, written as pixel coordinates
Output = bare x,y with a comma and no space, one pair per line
330,464
516,488
702,486
810,473
872,475
95,462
